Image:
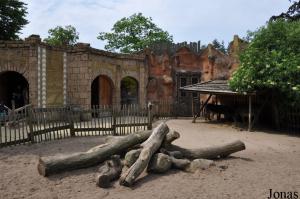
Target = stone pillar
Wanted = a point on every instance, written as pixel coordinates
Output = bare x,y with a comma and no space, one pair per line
39,80
117,90
142,84
44,78
65,78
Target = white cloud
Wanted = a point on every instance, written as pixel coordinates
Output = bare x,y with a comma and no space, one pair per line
189,20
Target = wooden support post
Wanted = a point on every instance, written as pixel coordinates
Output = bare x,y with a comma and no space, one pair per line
30,124
149,107
72,119
203,105
72,130
250,113
193,111
114,120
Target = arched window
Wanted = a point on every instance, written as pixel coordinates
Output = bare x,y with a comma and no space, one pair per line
129,91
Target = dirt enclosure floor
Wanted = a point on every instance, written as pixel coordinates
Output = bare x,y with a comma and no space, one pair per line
270,161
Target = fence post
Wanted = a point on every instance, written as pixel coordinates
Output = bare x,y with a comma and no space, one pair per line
114,121
149,108
30,123
71,123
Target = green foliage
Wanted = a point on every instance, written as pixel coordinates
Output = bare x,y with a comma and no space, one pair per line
219,45
59,36
271,61
12,18
133,34
130,84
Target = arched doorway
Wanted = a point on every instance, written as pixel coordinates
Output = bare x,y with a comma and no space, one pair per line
13,87
102,91
129,91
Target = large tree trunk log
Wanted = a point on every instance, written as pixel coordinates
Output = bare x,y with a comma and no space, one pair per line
97,155
159,163
175,154
170,137
209,152
150,146
180,163
111,170
176,158
131,157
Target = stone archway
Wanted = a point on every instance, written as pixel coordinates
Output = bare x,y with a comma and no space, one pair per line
13,87
129,91
102,91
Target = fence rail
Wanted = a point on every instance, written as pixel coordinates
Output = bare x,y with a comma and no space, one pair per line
44,124
290,119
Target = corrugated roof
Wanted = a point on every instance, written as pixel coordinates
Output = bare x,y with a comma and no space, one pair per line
213,87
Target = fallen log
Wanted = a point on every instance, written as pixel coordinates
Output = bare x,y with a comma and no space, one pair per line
95,156
109,171
214,152
159,163
170,137
131,157
150,146
181,164
175,154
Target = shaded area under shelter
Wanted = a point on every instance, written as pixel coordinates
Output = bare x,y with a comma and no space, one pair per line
222,103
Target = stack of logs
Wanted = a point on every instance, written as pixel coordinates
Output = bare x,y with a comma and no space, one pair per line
147,150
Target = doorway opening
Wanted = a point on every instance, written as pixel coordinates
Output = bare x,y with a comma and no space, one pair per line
102,91
14,89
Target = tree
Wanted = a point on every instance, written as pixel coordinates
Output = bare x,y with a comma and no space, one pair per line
133,34
272,61
293,13
219,46
59,36
12,19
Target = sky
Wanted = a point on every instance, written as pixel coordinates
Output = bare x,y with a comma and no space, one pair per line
186,20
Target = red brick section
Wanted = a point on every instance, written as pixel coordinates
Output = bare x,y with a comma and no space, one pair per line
212,64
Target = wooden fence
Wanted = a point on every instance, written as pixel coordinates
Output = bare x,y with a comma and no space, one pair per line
163,109
44,124
290,120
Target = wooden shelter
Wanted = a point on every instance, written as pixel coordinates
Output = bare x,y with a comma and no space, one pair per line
217,88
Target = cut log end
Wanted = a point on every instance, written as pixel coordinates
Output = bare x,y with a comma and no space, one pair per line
160,163
42,168
109,171
103,181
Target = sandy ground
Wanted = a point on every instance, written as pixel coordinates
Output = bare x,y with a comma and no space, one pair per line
271,161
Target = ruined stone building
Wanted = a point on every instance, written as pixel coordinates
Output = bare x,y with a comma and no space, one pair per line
42,75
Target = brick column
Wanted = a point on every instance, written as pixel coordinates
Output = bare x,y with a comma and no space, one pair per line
118,86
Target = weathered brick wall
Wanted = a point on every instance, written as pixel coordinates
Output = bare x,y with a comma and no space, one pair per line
86,64
235,48
21,57
54,79
64,75
210,64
